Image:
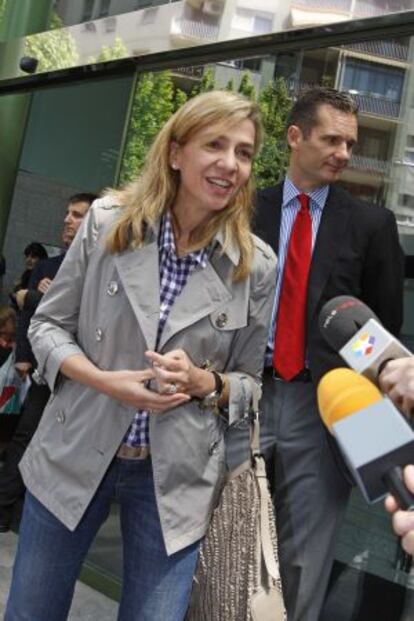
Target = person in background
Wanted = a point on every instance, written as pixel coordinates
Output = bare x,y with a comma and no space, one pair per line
12,488
7,342
33,253
328,243
7,332
151,338
397,382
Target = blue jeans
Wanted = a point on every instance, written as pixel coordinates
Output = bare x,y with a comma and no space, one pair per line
49,556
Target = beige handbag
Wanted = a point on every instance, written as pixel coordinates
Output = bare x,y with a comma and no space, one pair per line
237,576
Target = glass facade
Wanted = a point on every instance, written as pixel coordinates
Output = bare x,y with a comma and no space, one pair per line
91,135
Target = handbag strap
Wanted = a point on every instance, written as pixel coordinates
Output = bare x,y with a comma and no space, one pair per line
265,517
261,477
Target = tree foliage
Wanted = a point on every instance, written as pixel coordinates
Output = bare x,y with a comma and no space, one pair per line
2,7
111,52
154,102
206,83
55,49
246,86
271,163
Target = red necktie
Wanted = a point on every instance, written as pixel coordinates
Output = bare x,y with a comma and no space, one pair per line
289,345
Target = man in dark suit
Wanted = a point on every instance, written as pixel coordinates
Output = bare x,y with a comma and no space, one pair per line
11,485
328,243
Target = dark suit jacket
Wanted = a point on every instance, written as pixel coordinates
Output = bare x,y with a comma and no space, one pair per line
357,253
44,269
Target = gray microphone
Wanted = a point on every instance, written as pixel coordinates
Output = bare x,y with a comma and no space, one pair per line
374,438
352,329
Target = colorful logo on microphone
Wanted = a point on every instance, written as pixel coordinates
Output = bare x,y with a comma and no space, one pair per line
364,345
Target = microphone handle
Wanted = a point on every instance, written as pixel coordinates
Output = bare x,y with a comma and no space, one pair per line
394,481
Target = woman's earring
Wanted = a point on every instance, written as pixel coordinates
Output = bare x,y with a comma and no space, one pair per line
174,166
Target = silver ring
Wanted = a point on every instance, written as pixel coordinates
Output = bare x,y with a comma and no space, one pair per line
172,389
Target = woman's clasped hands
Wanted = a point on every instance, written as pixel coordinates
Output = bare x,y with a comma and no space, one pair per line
175,373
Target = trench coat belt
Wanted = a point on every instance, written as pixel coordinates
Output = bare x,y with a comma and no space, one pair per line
133,452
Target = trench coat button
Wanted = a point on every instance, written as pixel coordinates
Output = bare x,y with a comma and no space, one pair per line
221,320
60,416
98,334
112,288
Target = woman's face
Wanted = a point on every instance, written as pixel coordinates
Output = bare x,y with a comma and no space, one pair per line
213,165
31,261
7,335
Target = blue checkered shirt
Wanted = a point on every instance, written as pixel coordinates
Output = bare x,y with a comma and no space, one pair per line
174,274
290,209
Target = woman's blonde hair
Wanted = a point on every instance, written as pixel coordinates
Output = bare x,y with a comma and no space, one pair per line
153,192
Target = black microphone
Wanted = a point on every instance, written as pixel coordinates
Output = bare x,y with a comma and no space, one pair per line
353,330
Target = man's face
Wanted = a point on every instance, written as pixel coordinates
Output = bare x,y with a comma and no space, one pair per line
320,157
75,212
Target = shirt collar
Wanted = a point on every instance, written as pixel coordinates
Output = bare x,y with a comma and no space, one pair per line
318,196
167,243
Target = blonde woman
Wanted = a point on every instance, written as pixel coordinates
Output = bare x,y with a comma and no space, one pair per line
151,339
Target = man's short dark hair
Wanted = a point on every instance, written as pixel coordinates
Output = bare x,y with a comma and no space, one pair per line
304,112
82,197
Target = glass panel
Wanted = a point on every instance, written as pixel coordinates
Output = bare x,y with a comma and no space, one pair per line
121,28
72,144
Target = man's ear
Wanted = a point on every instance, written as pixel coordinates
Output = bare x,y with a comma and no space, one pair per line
173,156
294,136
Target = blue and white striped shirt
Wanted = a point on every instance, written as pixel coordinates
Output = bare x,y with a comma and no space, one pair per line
174,274
290,209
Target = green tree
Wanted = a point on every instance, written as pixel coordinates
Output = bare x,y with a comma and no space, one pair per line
55,49
272,161
155,100
246,86
112,52
206,83
180,97
2,7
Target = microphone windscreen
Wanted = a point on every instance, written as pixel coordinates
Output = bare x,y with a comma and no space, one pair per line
341,318
342,392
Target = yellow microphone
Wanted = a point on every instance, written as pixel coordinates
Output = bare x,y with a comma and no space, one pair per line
342,392
375,439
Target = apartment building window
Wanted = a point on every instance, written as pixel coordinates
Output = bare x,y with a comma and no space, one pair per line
370,78
87,10
104,8
257,22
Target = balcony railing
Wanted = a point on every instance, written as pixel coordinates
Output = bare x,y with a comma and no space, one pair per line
384,49
360,8
368,104
380,106
336,6
369,165
190,29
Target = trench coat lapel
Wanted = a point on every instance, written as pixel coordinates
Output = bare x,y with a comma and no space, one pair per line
204,293
139,274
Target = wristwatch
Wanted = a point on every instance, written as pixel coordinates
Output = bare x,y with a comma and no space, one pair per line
210,401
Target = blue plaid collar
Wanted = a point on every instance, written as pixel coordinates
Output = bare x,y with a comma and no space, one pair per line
166,243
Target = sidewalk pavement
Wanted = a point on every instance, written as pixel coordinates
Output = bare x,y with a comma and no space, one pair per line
88,604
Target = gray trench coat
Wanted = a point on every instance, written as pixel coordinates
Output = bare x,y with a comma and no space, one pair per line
107,307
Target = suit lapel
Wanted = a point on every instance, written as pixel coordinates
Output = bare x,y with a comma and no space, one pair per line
268,215
331,234
139,274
